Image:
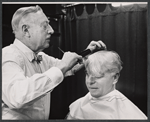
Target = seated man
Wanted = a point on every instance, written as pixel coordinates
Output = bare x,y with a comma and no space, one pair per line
103,101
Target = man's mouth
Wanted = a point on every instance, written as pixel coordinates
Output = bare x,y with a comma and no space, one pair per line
48,37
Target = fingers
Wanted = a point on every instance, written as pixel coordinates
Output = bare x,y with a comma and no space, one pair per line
99,44
78,58
72,57
69,60
102,44
96,45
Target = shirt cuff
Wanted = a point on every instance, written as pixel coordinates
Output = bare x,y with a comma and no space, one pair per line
55,74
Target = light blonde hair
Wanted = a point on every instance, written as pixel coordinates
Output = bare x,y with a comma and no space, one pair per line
104,61
22,13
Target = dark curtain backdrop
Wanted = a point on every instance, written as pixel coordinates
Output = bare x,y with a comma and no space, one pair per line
124,30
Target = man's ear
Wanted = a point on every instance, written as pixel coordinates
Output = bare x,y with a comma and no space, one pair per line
116,77
25,30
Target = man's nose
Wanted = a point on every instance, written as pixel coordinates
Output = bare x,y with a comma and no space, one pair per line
50,29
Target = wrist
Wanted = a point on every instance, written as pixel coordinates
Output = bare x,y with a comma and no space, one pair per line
63,67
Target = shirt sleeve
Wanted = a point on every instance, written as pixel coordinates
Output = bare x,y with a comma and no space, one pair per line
19,89
54,61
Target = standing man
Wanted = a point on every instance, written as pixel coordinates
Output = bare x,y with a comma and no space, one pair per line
27,79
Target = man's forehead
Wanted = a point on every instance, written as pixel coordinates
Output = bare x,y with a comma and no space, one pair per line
40,17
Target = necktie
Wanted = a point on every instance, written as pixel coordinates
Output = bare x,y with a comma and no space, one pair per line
38,58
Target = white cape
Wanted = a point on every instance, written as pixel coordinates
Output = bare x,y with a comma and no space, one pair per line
114,105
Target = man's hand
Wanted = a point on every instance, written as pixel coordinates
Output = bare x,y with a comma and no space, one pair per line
96,45
68,61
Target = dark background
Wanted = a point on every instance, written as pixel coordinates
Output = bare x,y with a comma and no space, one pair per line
122,29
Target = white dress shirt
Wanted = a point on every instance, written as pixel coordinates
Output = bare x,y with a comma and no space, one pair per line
26,85
112,106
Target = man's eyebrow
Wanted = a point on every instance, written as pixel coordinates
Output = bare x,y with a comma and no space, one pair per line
47,21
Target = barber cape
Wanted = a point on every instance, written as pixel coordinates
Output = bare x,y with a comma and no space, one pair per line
114,105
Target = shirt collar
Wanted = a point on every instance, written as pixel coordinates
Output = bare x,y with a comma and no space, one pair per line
27,51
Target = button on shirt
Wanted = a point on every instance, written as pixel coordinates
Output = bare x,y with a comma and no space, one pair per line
26,84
